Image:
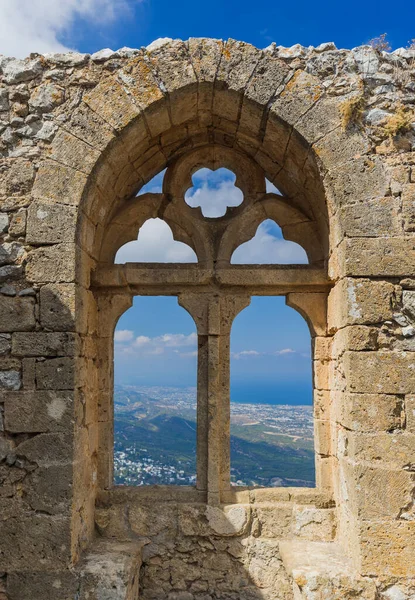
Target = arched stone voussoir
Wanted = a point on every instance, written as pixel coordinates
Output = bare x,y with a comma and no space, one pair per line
111,102
301,92
88,126
73,152
237,65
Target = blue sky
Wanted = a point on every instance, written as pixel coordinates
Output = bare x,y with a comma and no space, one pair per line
89,25
156,339
309,23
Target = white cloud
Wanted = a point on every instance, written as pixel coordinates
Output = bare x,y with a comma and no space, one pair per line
141,340
177,340
213,193
252,353
190,354
155,243
155,346
38,25
247,353
123,335
265,248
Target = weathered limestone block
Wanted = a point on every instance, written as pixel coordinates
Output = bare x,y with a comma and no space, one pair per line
48,489
274,519
46,449
265,570
359,301
408,301
408,206
386,548
410,412
5,343
358,180
150,520
301,92
110,571
394,450
56,585
237,64
395,257
314,524
44,344
322,435
355,337
89,127
17,71
321,570
338,147
17,178
112,103
209,520
46,97
11,253
38,542
37,411
380,372
56,374
268,76
57,306
52,264
73,152
17,226
17,314
50,223
387,492
369,412
377,217
56,182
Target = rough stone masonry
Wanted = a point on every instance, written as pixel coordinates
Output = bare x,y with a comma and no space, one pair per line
334,130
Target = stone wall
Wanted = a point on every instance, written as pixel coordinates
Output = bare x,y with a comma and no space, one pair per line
79,135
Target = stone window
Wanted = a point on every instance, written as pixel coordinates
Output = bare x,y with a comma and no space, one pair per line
213,291
154,414
272,442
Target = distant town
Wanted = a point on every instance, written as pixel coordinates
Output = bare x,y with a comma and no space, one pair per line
155,440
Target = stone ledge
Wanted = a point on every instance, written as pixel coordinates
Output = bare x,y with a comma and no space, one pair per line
108,571
321,498
322,570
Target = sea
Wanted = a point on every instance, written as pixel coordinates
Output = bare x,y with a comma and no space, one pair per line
294,393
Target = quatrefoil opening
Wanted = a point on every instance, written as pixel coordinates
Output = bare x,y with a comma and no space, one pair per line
214,192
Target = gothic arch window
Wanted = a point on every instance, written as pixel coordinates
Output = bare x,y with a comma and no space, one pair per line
271,440
214,291
155,349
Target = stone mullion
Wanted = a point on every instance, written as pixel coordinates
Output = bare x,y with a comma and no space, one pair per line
202,414
213,314
225,411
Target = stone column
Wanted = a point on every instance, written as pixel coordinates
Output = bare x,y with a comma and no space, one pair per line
214,314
